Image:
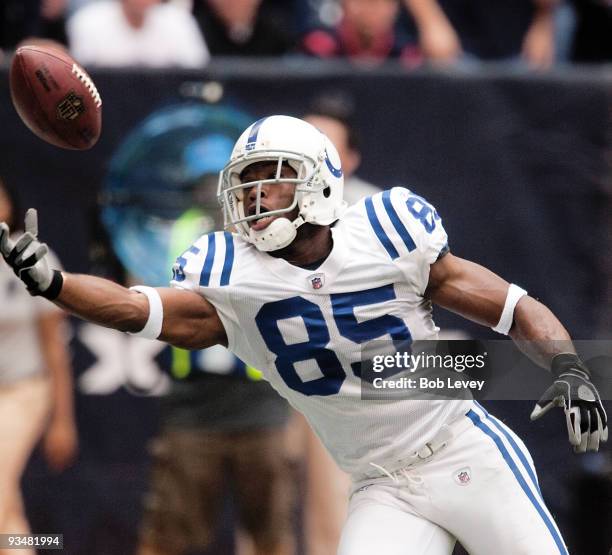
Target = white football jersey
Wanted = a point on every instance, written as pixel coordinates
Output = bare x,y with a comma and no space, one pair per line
304,328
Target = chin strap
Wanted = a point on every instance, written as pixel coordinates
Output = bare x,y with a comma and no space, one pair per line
280,233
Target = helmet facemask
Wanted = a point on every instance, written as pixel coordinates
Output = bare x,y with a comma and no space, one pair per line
318,181
232,191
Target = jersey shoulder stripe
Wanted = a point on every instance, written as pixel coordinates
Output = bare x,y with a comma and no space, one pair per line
207,263
209,260
229,258
404,222
378,229
397,222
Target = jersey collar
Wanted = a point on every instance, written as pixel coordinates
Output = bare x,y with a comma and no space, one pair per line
312,281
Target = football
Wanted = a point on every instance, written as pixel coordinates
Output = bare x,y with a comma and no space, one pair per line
55,97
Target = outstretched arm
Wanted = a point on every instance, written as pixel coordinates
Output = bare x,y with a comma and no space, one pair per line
187,319
481,296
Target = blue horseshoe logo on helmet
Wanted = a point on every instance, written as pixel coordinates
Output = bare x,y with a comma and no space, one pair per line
336,172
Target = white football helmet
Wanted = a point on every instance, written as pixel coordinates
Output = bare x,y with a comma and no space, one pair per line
318,183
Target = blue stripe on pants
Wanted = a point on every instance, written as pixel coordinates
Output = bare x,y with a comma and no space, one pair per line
519,452
473,416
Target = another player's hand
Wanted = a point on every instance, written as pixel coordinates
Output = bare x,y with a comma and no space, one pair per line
27,256
587,422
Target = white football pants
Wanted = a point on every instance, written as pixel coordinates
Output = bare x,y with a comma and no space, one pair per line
481,489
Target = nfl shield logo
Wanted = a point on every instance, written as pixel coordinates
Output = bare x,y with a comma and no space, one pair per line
71,107
317,281
463,477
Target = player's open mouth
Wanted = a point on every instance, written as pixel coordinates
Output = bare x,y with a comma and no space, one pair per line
262,223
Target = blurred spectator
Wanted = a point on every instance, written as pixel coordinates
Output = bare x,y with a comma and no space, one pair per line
136,32
20,19
448,30
593,36
35,384
244,27
479,29
332,113
368,32
223,436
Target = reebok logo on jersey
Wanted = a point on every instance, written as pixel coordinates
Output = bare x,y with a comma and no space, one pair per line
463,476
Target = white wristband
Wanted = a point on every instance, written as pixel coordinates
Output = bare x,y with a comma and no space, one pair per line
507,317
153,327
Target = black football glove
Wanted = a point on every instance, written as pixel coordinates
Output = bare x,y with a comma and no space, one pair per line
587,422
28,258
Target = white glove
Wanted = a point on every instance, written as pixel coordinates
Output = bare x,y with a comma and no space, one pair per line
28,258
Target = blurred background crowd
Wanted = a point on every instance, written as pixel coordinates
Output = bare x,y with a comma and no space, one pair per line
188,33
169,452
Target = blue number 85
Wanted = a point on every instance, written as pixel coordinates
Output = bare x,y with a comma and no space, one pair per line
343,305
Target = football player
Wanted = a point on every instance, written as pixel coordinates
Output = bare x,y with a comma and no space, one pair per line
299,287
